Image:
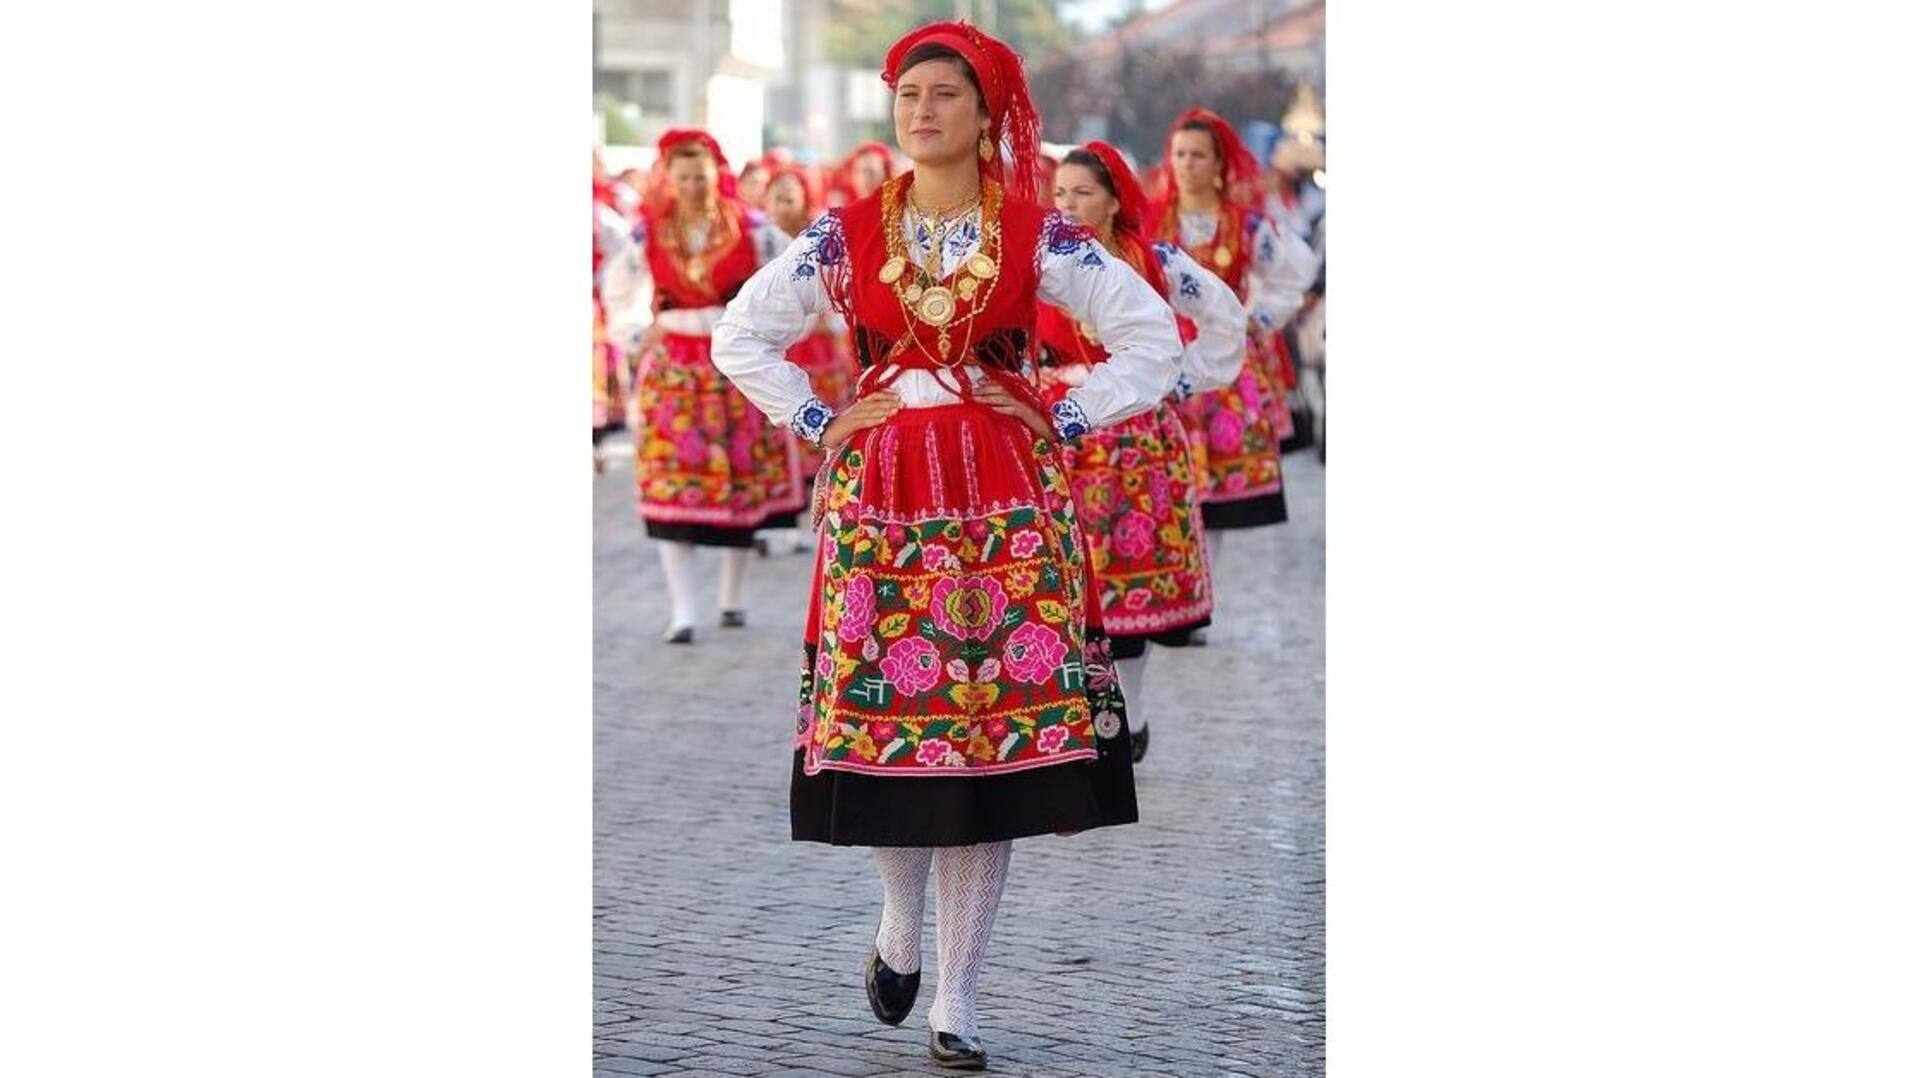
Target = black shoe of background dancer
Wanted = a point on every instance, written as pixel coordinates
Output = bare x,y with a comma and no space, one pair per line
682,635
957,1053
1140,745
890,994
733,619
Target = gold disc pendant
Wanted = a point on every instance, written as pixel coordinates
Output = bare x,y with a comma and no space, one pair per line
1222,257
936,306
913,292
981,266
891,272
967,287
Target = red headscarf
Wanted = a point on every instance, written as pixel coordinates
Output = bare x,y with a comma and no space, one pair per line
1015,129
659,194
1238,169
1135,211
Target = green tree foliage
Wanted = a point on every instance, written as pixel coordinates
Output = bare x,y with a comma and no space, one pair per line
862,30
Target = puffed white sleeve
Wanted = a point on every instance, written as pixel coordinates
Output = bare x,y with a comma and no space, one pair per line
1212,360
768,241
626,284
775,308
1133,323
1283,268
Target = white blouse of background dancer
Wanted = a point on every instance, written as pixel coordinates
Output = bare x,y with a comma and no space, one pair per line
777,305
1282,268
627,282
1212,360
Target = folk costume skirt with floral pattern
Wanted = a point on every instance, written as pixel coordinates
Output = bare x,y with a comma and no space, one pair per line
835,375
1137,492
952,690
709,468
1236,430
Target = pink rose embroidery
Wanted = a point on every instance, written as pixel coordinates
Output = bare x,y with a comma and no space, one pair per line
1051,739
969,607
896,534
691,448
938,557
1138,598
1034,652
1133,535
977,529
1024,544
997,728
933,752
1129,458
1223,432
911,665
882,733
857,609
1237,481
1160,490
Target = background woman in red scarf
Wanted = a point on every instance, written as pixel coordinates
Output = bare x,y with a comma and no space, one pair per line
826,353
955,694
1210,213
709,468
1136,484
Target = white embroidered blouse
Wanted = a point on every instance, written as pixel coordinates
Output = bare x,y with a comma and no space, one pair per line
1281,270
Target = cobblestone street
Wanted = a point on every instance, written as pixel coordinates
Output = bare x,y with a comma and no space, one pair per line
1191,943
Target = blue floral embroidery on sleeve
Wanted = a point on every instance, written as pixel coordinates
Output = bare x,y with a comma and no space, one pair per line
1069,418
824,245
1064,237
1164,251
1266,247
640,232
1182,386
1189,286
810,420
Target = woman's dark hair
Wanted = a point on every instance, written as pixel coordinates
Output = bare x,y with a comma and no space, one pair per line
1090,161
1219,151
930,51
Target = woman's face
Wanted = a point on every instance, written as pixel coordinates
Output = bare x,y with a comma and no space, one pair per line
1078,194
694,179
1195,165
753,185
937,118
868,173
787,201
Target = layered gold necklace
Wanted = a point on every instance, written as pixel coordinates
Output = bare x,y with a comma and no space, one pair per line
718,241
926,295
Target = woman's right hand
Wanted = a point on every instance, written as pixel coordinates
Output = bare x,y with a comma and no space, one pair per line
869,411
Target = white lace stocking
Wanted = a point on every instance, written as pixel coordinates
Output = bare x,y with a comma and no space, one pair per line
970,879
903,874
1133,686
733,565
676,561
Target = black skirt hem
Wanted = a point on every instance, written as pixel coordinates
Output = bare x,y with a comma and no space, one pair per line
700,534
1253,512
1132,646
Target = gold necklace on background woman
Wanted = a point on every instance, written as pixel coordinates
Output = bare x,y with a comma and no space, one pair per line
710,221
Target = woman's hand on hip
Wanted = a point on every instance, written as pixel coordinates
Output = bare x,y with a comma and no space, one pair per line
869,411
995,396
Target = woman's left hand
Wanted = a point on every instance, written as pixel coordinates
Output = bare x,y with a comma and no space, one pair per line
995,396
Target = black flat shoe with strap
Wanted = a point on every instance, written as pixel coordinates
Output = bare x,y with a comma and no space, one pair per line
890,994
957,1053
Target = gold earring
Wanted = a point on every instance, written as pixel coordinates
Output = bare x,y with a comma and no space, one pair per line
1218,183
986,149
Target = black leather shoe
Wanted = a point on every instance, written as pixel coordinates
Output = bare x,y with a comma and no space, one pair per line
733,619
956,1053
1140,745
682,635
890,994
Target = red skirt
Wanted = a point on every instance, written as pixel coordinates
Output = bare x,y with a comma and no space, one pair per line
948,644
704,457
835,375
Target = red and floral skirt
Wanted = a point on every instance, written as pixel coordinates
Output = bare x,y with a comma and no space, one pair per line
948,643
835,375
707,461
1238,429
1137,495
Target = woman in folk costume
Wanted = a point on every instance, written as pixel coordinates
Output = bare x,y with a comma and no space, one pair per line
826,353
861,174
709,468
1134,483
1211,178
954,697
609,242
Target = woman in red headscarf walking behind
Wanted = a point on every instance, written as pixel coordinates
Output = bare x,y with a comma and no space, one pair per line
953,696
